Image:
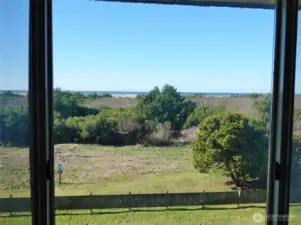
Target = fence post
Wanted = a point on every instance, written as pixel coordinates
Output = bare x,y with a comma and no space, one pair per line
203,199
239,192
11,213
129,200
166,201
91,201
60,178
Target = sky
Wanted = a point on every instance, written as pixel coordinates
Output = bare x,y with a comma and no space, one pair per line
101,46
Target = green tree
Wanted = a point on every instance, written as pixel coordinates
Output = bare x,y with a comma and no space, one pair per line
231,144
263,111
14,126
200,113
166,105
70,104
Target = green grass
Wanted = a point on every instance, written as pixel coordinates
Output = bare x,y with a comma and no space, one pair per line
111,170
219,215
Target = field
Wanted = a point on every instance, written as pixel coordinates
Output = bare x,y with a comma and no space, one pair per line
104,170
238,104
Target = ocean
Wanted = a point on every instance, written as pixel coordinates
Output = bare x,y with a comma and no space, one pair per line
224,94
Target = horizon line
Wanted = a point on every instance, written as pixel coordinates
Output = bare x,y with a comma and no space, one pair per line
200,92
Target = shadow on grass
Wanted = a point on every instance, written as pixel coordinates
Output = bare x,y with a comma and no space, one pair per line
71,183
15,215
206,208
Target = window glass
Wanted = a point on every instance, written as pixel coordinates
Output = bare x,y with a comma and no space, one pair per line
160,118
166,109
296,156
14,132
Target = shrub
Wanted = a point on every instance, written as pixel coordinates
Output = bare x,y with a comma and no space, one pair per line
160,137
106,95
100,129
262,110
166,105
235,96
188,135
254,95
72,129
200,113
130,130
231,144
14,126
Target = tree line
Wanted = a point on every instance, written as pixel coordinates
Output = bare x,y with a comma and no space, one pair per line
75,122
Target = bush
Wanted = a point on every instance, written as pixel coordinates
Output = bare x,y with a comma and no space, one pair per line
160,137
9,94
200,113
166,105
262,110
254,95
70,104
72,132
14,126
108,127
188,135
106,95
100,130
130,130
233,145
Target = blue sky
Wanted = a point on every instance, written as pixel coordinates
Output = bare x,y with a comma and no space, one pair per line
133,47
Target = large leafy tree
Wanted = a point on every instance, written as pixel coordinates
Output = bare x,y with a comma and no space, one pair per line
233,145
166,105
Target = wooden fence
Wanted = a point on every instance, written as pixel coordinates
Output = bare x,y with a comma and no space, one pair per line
139,200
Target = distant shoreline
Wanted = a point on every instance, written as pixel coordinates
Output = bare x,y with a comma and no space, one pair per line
133,94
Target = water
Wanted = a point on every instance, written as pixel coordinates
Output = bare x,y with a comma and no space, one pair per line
224,94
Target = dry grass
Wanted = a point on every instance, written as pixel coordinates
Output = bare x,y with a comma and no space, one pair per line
104,162
160,137
98,169
14,168
242,104
188,135
14,101
114,102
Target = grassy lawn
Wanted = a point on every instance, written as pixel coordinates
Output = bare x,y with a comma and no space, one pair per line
111,170
219,215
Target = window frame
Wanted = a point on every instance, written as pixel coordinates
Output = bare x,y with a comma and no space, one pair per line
40,96
41,111
283,95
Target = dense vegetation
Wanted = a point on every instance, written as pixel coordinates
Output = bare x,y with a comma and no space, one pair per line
156,112
9,94
230,143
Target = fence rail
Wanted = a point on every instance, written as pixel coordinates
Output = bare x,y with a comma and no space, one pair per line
138,200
